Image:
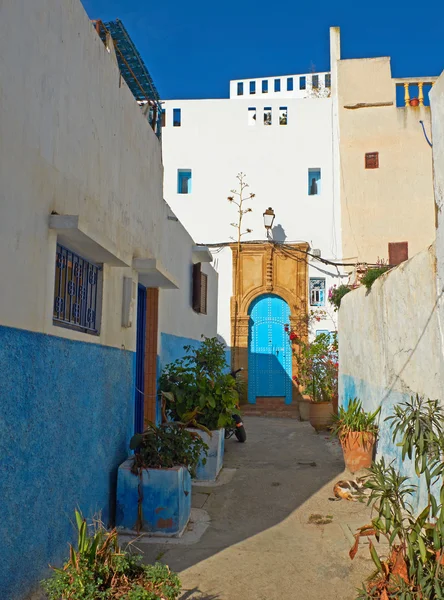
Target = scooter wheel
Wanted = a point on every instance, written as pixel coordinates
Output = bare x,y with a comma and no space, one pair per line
241,434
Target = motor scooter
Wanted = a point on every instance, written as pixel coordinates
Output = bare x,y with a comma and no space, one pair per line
237,428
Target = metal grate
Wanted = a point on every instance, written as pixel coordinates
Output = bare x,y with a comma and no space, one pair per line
75,291
133,70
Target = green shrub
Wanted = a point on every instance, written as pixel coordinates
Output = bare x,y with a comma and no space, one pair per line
335,295
197,389
100,570
166,446
372,275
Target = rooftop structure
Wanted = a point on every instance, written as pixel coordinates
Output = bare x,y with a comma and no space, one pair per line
133,70
307,85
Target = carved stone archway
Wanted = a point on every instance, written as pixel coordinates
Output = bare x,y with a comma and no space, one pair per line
266,268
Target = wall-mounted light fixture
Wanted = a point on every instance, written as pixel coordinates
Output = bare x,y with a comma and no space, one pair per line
268,219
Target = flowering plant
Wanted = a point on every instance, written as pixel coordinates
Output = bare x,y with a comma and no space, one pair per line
317,365
335,295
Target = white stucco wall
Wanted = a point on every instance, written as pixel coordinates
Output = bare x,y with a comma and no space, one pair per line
73,140
391,338
216,142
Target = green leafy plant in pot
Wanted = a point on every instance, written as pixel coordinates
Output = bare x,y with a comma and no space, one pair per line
411,565
99,568
169,447
198,390
357,431
317,363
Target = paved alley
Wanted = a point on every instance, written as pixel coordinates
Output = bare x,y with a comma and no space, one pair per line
260,544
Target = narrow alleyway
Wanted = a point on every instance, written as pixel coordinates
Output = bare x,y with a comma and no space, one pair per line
260,544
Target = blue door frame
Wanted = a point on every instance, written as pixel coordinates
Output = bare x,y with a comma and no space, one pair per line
269,349
140,360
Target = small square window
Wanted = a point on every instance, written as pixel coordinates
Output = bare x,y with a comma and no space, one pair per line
315,81
314,182
283,115
302,83
267,115
277,85
264,86
240,88
251,115
289,84
317,291
177,117
252,87
328,80
184,181
372,160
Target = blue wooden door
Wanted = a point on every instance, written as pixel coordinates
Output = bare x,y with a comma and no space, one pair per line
269,349
140,359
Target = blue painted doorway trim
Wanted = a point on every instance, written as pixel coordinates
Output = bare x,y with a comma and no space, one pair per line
269,349
140,360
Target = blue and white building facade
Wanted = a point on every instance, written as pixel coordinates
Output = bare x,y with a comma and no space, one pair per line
85,235
280,132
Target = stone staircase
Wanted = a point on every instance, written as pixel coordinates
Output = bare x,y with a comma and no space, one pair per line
271,407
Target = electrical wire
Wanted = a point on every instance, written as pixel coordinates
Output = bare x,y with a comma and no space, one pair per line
290,248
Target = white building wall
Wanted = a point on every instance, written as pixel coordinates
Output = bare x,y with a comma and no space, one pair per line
216,142
73,141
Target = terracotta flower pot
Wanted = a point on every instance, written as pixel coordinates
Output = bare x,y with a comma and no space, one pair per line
357,447
321,415
414,102
304,408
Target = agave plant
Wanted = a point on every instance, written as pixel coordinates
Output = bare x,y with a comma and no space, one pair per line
99,568
354,419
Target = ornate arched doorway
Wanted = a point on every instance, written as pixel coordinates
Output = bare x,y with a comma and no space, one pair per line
267,277
269,350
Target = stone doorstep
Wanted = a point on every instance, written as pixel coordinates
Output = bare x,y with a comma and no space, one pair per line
196,527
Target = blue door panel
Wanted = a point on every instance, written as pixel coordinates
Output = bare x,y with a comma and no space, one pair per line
140,359
269,349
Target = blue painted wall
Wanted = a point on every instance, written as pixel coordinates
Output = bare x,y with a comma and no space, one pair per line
67,414
372,397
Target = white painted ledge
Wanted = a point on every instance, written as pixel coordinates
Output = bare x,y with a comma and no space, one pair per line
153,275
81,238
201,254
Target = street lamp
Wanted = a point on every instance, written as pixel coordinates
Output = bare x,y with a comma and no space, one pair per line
268,219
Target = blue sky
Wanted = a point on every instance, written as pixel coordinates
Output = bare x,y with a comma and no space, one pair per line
192,49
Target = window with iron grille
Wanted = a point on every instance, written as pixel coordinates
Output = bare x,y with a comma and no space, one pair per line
76,292
317,291
327,80
200,289
315,81
372,160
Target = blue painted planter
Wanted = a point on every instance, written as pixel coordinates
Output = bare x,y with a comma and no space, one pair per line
215,459
166,503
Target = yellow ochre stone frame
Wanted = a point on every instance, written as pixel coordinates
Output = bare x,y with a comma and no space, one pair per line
266,268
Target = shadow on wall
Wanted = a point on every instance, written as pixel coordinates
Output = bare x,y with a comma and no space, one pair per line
278,234
267,376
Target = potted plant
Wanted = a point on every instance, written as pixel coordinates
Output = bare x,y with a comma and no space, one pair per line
200,393
154,485
99,568
318,375
357,431
411,563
